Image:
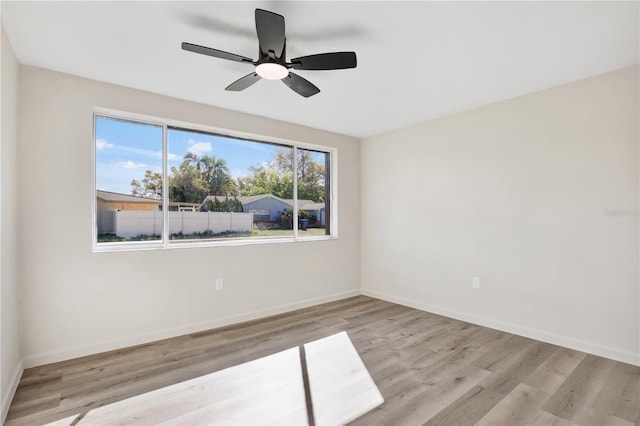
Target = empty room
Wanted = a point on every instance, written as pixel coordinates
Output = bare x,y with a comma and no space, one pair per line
434,220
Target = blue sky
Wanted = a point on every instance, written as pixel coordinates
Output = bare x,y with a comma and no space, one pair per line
124,150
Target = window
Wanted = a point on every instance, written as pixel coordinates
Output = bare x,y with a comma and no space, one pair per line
313,186
261,215
128,181
219,186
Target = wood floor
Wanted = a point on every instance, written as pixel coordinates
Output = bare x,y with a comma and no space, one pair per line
429,369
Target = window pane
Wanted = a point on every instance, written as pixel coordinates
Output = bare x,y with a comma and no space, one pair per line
313,193
222,187
128,181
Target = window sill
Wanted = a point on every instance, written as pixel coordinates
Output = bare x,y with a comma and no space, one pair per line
143,246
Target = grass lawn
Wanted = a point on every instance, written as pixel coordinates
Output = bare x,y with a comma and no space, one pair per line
257,232
310,232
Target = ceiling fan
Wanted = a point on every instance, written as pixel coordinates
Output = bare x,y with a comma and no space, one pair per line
272,64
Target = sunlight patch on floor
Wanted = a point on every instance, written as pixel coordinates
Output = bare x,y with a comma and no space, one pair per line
269,390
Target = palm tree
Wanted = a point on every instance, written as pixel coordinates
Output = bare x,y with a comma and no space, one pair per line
216,173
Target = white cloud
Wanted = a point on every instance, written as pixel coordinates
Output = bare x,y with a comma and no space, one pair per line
102,144
170,156
139,151
199,148
131,165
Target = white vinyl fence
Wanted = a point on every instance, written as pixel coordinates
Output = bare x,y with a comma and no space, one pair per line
131,223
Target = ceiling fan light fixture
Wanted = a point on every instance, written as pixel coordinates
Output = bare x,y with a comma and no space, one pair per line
271,71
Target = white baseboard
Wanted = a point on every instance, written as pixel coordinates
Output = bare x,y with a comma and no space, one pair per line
8,397
84,350
555,339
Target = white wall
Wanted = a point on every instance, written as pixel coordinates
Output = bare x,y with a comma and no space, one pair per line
77,302
538,196
10,346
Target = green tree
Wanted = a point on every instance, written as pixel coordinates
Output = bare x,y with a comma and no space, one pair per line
228,205
186,183
311,184
197,177
216,174
311,174
266,180
286,217
150,185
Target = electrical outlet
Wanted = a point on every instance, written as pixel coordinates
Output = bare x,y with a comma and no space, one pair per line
475,282
219,284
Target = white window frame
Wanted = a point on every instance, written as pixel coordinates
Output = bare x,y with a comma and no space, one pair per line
165,242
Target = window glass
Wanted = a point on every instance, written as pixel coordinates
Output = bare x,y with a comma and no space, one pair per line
205,186
238,188
313,193
128,181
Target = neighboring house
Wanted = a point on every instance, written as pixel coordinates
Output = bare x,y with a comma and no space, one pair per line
316,210
268,207
265,208
108,202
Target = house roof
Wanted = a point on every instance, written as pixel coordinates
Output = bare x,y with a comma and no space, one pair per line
125,198
118,197
312,206
302,204
244,200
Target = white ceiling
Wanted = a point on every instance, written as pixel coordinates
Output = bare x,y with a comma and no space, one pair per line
416,60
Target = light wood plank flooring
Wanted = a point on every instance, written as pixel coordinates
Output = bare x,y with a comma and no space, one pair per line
429,369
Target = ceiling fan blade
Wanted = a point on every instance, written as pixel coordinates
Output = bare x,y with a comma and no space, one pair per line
215,53
300,85
243,82
270,29
325,61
